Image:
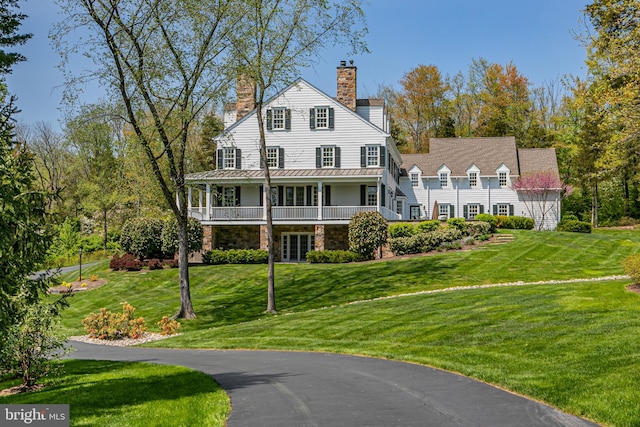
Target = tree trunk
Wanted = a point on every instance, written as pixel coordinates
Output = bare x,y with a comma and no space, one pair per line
271,288
186,308
104,229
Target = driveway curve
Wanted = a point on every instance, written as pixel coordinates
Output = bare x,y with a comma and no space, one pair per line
274,388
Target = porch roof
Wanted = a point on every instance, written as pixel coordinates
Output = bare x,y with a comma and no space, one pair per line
258,174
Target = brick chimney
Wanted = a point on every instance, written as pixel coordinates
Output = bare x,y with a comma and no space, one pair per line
245,96
346,92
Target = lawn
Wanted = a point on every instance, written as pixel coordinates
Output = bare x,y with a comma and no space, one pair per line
101,393
571,345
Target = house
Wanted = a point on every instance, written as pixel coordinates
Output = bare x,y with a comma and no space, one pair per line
463,177
329,158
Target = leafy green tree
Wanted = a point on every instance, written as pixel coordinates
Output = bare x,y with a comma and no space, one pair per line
164,61
10,22
169,236
272,41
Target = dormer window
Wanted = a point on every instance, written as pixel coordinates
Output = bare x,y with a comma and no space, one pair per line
321,118
414,179
444,179
502,179
473,179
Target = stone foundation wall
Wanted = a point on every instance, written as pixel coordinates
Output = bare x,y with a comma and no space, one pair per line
336,237
235,237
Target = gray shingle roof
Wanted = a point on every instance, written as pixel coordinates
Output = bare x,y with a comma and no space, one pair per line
538,159
234,175
460,153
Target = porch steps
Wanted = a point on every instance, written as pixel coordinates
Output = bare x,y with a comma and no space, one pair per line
501,239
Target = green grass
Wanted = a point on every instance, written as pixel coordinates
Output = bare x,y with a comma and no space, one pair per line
571,345
101,393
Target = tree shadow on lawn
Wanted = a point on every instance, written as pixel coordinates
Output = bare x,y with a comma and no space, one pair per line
96,398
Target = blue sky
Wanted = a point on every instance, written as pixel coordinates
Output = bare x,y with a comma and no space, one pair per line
537,36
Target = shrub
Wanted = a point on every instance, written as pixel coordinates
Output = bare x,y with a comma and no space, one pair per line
490,219
514,222
574,226
154,264
478,228
331,257
423,242
115,264
458,223
626,221
130,263
631,266
141,237
235,256
169,236
401,229
111,326
368,231
168,326
570,217
426,226
171,263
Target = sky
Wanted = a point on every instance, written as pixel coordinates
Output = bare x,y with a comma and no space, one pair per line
537,36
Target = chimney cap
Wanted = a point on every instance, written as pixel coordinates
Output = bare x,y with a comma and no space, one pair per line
343,63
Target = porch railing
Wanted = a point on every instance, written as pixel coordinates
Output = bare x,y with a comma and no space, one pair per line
285,213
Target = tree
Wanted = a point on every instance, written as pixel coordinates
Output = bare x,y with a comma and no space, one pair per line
274,39
9,25
165,61
541,191
368,231
422,106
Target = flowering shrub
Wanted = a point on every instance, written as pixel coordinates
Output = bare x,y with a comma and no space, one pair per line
94,277
168,326
111,326
367,232
493,222
458,223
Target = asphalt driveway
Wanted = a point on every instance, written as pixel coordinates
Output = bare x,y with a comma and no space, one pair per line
270,388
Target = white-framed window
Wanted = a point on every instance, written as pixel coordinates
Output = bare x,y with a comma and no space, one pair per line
414,179
473,179
373,157
294,196
472,211
372,195
229,158
322,117
503,209
328,156
444,179
228,196
502,179
414,211
278,118
399,207
273,159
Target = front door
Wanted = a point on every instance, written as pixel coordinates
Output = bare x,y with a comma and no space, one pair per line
296,245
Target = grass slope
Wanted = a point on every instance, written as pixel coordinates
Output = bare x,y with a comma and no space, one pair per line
573,346
101,393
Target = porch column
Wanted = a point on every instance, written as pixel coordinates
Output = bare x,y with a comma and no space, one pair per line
263,237
264,204
319,237
379,195
189,195
208,201
320,200
200,198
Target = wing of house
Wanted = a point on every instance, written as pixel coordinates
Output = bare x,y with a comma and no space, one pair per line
463,177
332,157
328,159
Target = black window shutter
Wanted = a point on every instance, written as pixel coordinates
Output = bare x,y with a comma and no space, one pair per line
481,209
383,195
318,157
336,150
269,119
452,211
327,195
363,157
363,195
261,196
280,195
281,157
312,118
287,119
237,196
383,156
309,195
220,158
510,210
465,210
495,209
238,158
331,118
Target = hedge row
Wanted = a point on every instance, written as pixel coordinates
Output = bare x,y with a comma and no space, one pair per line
128,262
332,257
235,256
514,222
575,226
423,242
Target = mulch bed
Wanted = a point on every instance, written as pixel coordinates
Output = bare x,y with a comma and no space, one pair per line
20,389
77,286
634,288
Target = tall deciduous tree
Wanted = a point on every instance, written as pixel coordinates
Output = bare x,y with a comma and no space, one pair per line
273,41
164,60
422,106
